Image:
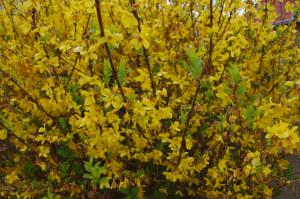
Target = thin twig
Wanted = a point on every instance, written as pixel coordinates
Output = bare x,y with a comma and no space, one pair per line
27,94
10,50
98,9
211,18
77,55
135,14
187,123
221,11
277,83
73,68
86,26
15,135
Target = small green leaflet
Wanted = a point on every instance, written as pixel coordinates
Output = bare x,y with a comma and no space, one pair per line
64,124
130,193
73,88
250,115
234,73
29,170
65,152
79,100
63,169
195,63
94,172
107,72
44,37
122,71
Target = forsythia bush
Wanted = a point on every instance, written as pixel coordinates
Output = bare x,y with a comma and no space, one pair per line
146,98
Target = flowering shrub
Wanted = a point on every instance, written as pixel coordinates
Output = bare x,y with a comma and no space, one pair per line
146,99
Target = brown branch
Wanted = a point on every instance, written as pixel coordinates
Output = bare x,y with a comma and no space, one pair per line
73,69
261,59
277,83
135,14
288,93
86,26
99,16
225,28
10,50
13,25
75,31
187,123
260,29
15,135
223,72
27,94
37,35
221,11
211,20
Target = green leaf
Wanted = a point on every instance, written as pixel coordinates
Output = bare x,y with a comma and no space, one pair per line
44,37
195,63
29,170
290,173
88,176
110,48
241,90
139,173
130,193
94,172
63,123
135,192
234,73
107,72
122,71
73,88
158,195
36,121
124,190
140,51
89,165
79,100
160,146
250,114
77,169
65,152
63,169
102,180
132,97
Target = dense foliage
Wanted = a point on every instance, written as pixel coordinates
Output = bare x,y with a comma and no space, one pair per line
146,99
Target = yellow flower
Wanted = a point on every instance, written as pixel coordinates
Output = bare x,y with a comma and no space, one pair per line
12,177
267,170
141,39
44,151
128,20
3,134
280,130
113,38
254,157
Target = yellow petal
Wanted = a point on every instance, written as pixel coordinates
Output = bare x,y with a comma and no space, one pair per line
146,43
3,134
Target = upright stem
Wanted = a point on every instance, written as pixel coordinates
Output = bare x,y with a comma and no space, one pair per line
187,123
221,11
135,14
98,9
73,68
211,37
78,55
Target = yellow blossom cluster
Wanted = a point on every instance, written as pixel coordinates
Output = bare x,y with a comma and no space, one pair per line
147,98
